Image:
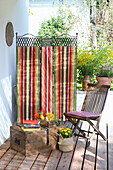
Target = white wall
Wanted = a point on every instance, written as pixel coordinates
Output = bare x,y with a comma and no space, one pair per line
15,11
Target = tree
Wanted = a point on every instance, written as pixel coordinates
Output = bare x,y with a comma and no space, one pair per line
101,17
60,24
101,20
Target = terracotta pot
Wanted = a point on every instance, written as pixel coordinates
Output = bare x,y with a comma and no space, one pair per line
104,80
66,145
86,80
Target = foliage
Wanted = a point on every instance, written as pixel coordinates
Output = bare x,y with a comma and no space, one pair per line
86,61
58,122
101,20
60,24
30,13
95,62
105,62
65,133
105,71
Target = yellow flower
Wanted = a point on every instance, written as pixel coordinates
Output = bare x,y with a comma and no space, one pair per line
61,128
95,67
50,116
66,133
102,62
65,130
104,56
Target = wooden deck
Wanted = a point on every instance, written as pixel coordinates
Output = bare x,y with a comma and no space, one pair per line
99,155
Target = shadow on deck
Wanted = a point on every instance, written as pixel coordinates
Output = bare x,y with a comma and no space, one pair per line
99,155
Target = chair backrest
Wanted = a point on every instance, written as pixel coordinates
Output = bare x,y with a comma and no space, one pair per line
95,98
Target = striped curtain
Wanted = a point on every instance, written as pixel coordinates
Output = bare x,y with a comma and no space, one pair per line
28,82
46,79
64,80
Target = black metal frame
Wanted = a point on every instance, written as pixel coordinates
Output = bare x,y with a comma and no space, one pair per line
29,40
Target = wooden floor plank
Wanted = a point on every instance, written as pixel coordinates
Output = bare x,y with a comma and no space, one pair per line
110,153
6,159
101,155
90,156
4,147
53,160
65,161
16,162
28,162
66,158
78,155
41,161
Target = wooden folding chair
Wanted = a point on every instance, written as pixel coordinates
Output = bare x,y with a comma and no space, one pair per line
91,110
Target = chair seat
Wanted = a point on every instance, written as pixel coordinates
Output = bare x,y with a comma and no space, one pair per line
83,114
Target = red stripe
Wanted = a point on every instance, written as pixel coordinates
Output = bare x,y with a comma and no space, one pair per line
71,75
52,96
21,82
30,104
43,82
45,79
58,82
34,81
62,84
50,78
25,83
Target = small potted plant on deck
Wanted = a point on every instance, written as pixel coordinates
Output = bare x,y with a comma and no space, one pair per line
105,74
65,139
104,71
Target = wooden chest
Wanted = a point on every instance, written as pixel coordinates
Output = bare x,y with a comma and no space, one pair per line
29,143
47,124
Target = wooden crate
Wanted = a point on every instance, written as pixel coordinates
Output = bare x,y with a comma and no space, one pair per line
52,135
29,143
47,124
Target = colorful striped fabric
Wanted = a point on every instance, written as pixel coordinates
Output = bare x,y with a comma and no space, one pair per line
46,79
64,80
28,82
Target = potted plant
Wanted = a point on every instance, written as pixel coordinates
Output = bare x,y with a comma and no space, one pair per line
104,70
105,74
86,64
65,139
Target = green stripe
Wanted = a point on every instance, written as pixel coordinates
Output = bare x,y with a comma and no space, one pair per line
75,77
32,84
18,82
74,82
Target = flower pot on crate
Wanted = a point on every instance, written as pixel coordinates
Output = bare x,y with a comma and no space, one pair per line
86,80
104,80
66,144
